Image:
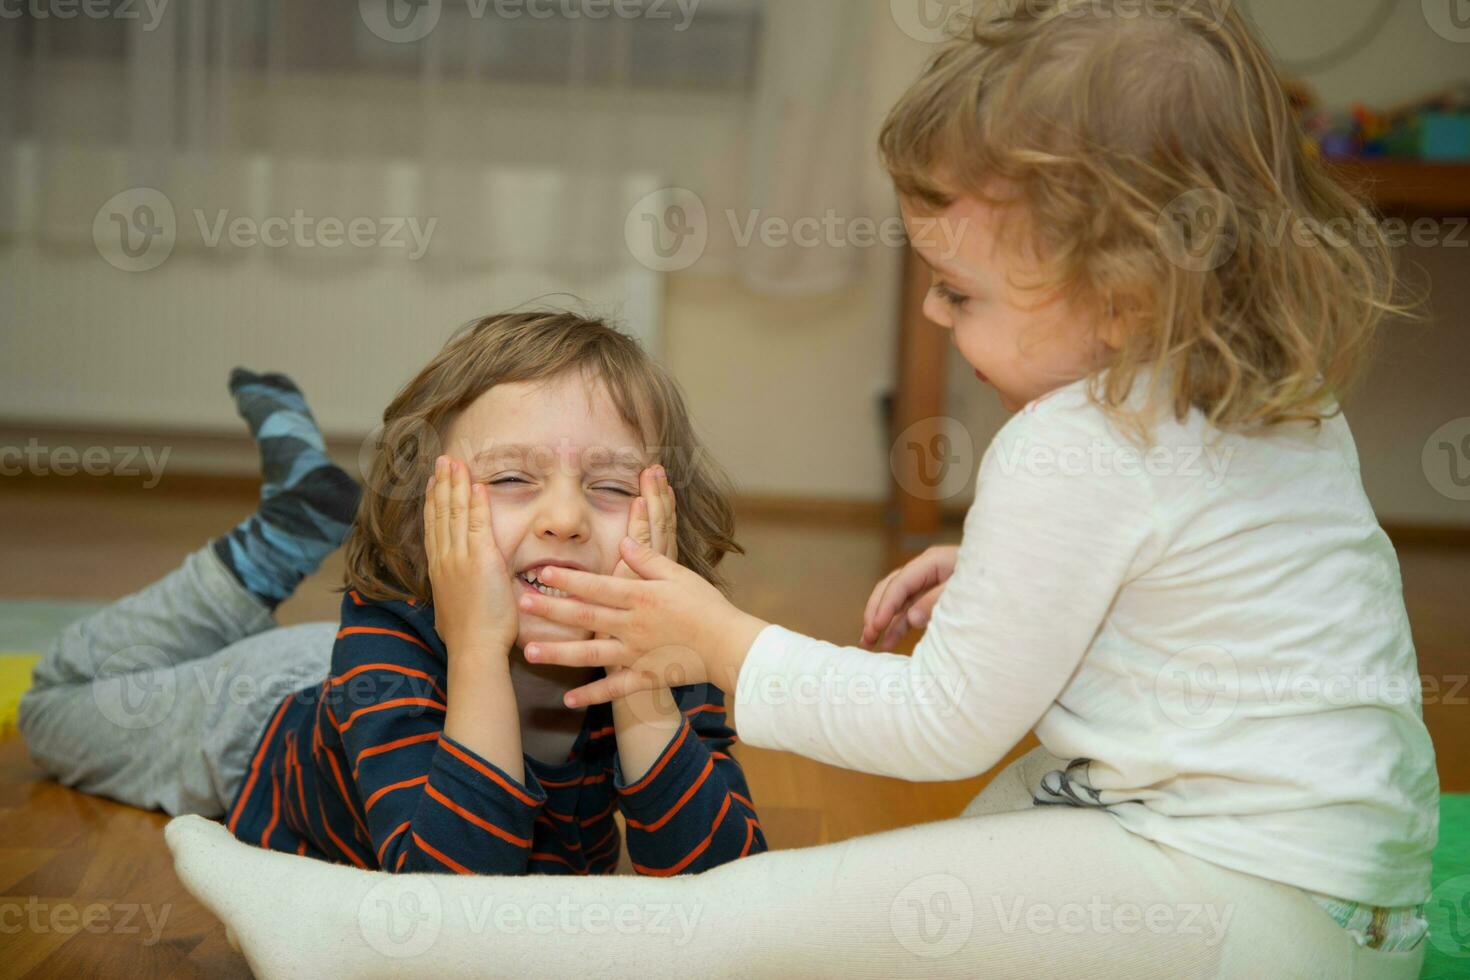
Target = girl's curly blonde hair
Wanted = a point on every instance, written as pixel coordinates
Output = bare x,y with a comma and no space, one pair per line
385,548
1160,173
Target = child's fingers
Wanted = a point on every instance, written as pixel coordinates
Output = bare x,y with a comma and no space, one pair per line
671,518
603,652
479,519
459,507
610,688
441,505
871,627
654,501
430,534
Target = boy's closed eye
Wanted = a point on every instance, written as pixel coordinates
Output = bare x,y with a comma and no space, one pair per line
600,487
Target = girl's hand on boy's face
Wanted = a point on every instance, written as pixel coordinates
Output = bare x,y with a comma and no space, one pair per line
474,598
669,627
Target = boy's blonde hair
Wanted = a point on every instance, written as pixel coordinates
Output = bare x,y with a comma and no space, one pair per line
1160,174
385,549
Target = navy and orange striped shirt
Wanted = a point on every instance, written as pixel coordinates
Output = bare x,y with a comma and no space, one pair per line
358,770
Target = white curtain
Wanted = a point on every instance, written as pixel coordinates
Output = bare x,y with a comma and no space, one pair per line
526,139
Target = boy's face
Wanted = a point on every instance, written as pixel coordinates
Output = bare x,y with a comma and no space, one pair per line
1023,342
562,469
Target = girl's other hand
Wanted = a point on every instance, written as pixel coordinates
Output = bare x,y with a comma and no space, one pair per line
474,600
905,599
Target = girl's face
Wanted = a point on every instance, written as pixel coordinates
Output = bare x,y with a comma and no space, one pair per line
562,469
1023,342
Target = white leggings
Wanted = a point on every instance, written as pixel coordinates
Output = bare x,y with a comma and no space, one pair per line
1006,890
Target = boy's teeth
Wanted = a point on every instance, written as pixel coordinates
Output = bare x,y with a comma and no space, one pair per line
530,579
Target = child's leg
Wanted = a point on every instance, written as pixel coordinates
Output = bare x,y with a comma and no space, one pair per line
145,701
1049,892
110,710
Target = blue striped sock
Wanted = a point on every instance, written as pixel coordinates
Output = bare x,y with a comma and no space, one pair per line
306,501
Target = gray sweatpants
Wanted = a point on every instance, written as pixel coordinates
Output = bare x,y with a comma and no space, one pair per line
159,699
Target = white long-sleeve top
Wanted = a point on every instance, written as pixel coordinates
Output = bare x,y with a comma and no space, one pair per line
1216,623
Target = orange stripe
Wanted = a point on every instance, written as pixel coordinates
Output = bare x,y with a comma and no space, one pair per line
718,709
351,854
659,765
356,599
485,771
394,668
390,746
611,832
383,706
543,856
709,767
255,763
583,780
698,850
749,836
390,788
387,840
301,848
346,798
602,732
265,835
401,856
443,859
378,631
474,818
741,799
589,821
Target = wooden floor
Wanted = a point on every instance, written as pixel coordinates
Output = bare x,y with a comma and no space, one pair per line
90,884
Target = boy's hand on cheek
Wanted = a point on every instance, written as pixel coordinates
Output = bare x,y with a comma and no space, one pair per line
474,600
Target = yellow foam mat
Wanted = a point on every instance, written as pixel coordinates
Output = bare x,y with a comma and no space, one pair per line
15,680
